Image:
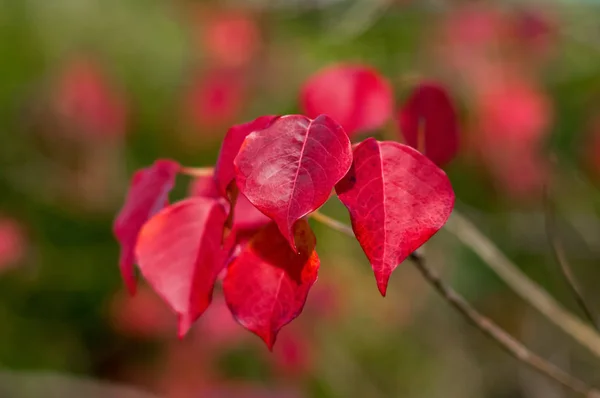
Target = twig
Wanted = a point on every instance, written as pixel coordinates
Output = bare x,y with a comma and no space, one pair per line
332,223
505,340
197,171
560,256
484,324
520,283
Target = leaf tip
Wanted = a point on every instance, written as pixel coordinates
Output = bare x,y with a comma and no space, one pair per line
184,325
131,287
128,276
269,338
382,284
291,238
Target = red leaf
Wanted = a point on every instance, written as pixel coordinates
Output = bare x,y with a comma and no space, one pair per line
429,123
179,254
267,284
148,194
356,96
397,199
231,38
142,316
289,169
224,170
86,97
216,97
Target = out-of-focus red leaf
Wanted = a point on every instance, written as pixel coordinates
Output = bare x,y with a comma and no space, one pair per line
87,99
179,253
512,117
148,194
474,28
535,31
12,243
267,284
513,112
520,171
224,169
397,199
289,169
470,41
144,315
217,326
429,123
231,38
215,98
293,355
356,96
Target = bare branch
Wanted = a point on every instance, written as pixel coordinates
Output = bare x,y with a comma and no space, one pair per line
502,338
521,284
484,324
560,256
197,171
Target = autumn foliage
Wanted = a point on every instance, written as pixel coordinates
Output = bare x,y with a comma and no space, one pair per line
245,224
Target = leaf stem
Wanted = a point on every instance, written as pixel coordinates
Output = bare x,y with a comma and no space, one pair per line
197,171
560,256
520,283
484,324
332,223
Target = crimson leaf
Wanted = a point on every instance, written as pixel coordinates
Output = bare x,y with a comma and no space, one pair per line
397,199
429,123
267,283
179,254
224,169
147,195
289,169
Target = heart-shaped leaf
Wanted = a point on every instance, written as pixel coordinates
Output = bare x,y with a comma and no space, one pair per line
429,123
224,169
179,254
356,96
267,284
397,199
148,193
289,169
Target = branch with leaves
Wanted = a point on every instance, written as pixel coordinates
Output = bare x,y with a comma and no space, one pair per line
246,219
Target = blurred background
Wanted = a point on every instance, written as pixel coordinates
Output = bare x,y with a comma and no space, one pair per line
91,90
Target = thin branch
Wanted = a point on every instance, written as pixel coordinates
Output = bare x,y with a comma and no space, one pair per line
484,324
560,256
197,171
502,338
332,223
520,283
